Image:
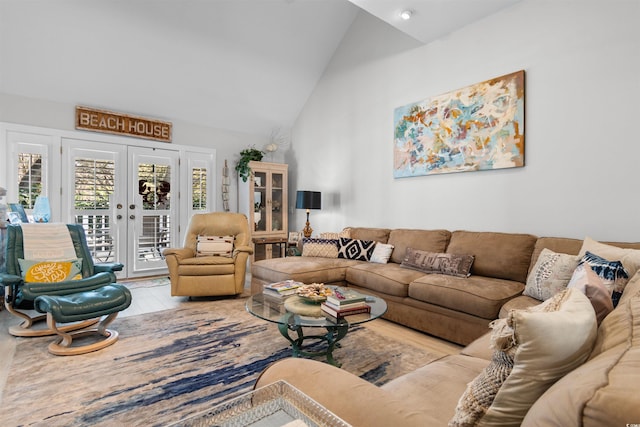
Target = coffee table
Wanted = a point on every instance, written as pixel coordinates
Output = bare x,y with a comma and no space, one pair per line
291,325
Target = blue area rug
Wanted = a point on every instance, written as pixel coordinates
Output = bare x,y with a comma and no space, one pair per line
169,365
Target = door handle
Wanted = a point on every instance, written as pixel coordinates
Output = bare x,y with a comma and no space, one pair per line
118,216
132,217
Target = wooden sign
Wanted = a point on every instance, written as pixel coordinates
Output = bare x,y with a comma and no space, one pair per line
122,124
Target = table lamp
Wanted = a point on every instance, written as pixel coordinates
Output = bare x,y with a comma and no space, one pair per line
308,200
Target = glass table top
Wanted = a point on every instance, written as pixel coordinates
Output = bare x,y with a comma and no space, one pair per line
272,309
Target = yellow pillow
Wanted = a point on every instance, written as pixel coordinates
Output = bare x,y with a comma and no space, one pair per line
50,271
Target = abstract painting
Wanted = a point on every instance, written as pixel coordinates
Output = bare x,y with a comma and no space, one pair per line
478,127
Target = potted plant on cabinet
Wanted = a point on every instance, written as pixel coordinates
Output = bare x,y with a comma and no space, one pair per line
247,155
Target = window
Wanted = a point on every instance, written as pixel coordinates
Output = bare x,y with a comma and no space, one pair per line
199,189
94,181
29,178
154,185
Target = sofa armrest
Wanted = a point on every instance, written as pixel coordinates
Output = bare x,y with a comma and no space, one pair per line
351,398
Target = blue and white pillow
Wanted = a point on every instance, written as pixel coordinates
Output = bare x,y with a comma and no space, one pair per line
613,274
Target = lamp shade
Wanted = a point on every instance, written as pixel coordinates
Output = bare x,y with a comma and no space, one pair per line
308,200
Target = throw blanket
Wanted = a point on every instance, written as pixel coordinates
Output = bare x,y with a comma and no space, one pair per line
47,242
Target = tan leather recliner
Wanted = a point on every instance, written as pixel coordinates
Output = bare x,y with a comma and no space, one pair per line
210,275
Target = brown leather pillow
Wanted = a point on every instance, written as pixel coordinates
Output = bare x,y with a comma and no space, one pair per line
440,263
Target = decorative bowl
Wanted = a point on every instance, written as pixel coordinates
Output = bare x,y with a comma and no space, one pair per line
314,293
314,299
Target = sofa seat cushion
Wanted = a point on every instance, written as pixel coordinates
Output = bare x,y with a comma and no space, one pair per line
518,303
435,388
424,240
501,255
208,260
302,269
475,295
389,279
205,270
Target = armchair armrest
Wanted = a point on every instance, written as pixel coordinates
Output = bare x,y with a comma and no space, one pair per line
7,279
179,253
239,249
107,267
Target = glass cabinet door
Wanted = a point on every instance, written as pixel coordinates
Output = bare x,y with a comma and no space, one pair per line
260,201
277,201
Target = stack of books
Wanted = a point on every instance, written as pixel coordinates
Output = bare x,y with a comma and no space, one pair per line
281,289
344,303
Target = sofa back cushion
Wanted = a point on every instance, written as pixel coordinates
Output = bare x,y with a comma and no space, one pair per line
499,255
614,329
424,240
558,245
376,234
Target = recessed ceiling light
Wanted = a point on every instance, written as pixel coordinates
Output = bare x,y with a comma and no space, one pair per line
406,14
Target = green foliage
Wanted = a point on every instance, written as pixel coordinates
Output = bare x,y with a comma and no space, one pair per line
247,155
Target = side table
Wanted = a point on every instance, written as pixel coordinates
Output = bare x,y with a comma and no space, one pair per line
261,244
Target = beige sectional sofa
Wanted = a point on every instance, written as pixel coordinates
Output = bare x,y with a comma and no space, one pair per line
603,391
552,382
457,309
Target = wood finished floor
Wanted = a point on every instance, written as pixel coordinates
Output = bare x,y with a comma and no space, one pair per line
148,300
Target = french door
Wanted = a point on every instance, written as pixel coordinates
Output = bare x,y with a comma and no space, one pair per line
152,212
122,196
124,193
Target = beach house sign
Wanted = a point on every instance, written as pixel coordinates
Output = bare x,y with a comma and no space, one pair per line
96,120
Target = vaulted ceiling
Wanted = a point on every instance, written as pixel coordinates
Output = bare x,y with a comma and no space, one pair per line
243,65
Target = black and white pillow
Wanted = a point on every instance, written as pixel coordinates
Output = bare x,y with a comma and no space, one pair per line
360,250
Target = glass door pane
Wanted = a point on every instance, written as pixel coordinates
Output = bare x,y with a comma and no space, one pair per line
93,195
152,208
260,208
29,178
94,190
277,188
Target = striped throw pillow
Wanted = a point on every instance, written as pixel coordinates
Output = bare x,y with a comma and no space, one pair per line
215,246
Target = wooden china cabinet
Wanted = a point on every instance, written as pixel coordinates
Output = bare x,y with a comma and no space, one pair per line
263,199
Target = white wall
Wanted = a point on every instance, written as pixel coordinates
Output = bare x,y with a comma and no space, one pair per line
55,115
582,65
